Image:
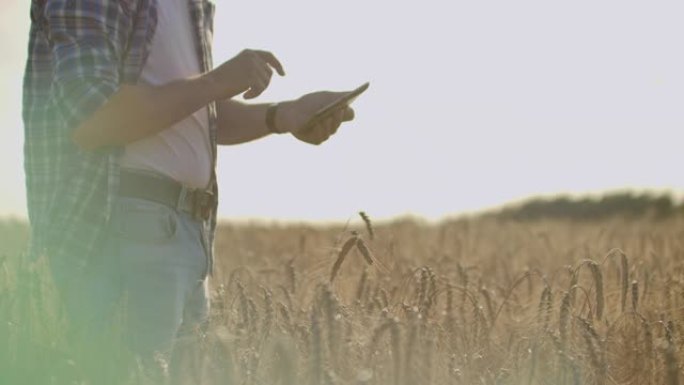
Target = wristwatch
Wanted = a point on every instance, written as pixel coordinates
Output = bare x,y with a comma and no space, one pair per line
270,118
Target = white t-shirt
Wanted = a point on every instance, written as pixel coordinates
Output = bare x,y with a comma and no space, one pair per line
183,151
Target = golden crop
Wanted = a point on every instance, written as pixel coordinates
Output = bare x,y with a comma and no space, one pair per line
468,301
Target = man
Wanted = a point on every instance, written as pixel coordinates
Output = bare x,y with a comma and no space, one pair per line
123,113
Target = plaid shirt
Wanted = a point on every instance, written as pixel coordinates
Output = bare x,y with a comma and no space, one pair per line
80,53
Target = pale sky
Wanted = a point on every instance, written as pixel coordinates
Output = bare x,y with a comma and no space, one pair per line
472,103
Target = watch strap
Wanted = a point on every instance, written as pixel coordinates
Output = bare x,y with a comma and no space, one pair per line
270,118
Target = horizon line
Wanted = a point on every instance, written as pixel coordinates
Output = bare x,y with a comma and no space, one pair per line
677,195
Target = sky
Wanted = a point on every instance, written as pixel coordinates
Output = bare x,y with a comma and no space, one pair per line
472,104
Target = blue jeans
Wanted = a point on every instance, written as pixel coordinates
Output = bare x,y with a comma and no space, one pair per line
154,263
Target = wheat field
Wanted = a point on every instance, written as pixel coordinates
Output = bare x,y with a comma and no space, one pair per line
478,300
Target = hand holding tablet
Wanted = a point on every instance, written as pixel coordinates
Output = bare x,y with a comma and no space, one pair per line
343,102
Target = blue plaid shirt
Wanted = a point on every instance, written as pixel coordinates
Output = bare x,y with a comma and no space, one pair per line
80,53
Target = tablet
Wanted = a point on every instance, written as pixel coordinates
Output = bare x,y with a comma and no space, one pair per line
335,106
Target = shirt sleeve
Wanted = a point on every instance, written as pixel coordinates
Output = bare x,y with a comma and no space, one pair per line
88,40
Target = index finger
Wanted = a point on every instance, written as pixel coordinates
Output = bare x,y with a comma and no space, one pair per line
273,61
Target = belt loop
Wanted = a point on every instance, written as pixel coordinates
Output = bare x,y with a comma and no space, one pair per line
181,198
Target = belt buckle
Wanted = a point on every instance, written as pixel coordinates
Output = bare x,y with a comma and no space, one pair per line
202,204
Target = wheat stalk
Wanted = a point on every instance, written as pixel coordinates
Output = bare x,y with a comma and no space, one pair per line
598,283
341,256
269,314
624,275
361,287
670,352
545,305
291,275
574,278
594,348
330,308
624,270
316,350
410,348
649,350
488,303
635,295
423,290
564,318
244,307
369,225
253,317
285,313
391,326
361,245
450,301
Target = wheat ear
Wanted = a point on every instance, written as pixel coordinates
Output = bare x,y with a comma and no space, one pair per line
340,257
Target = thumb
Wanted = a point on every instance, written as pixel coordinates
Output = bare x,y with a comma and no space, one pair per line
348,114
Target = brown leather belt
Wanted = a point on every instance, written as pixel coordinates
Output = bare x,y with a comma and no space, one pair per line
161,189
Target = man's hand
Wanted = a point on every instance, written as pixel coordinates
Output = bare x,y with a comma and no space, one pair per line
249,72
293,116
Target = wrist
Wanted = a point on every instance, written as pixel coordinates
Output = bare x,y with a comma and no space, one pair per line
209,85
278,118
214,89
283,117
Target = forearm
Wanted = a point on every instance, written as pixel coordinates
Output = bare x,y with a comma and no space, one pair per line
240,123
136,112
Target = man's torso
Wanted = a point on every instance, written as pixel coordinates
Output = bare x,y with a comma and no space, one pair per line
80,52
183,151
